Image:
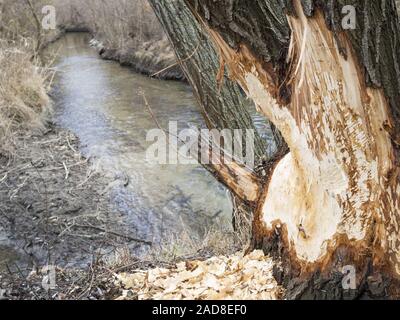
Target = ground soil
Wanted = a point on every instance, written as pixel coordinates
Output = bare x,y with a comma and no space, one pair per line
54,206
96,282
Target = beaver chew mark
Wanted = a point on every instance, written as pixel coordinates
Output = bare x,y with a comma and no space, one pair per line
339,180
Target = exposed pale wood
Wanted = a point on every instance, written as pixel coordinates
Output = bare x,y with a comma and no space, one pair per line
333,200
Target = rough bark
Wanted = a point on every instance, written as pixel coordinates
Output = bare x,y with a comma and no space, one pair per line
333,200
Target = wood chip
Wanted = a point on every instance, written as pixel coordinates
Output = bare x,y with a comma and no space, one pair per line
235,277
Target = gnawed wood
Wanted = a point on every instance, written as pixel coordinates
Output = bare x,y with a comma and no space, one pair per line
335,176
243,182
333,200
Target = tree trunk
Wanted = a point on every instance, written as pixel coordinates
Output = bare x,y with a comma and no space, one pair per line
333,200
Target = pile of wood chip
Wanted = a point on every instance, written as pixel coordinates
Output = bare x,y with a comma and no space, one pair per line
236,277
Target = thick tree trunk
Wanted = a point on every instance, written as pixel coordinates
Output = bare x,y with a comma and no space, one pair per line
333,200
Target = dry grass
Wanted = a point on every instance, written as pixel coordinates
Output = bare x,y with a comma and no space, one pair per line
24,103
21,19
185,246
177,248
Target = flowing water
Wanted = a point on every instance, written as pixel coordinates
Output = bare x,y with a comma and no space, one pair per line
99,101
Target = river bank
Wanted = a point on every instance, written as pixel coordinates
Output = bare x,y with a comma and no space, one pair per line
63,205
54,206
56,210
127,32
153,58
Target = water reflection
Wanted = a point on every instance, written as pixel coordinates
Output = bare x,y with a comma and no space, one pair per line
98,100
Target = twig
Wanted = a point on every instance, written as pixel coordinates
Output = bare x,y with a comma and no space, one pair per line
146,103
19,168
167,133
4,178
115,234
66,171
38,28
18,188
176,63
70,146
125,267
212,145
89,287
47,141
87,179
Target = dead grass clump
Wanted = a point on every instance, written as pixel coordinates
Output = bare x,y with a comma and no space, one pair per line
185,246
24,102
22,19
